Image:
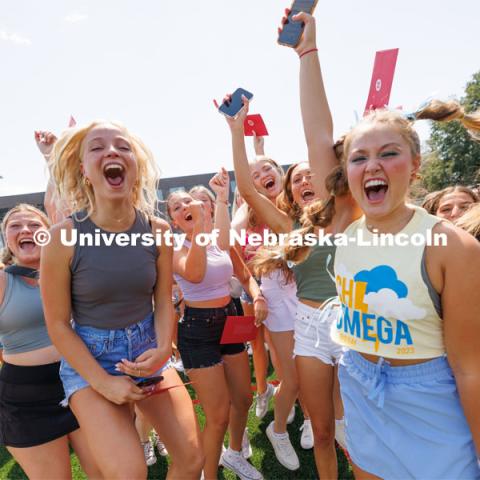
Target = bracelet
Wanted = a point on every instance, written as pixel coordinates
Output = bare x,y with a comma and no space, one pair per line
259,298
226,202
308,51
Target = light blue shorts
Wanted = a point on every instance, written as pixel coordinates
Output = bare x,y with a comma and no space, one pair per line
108,347
405,422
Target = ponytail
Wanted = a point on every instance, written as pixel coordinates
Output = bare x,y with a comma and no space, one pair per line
448,111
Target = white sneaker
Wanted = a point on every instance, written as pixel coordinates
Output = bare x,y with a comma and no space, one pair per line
235,462
340,433
149,453
284,451
291,415
246,447
261,407
160,445
306,440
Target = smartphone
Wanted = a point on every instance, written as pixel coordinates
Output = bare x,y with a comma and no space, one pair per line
292,31
235,104
147,382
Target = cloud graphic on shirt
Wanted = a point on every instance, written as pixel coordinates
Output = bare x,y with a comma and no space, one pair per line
386,303
382,277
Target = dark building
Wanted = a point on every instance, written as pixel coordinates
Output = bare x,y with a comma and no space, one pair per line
167,186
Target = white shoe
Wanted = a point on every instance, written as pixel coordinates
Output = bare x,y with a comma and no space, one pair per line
284,451
246,447
261,407
306,440
340,433
149,453
160,445
235,462
291,415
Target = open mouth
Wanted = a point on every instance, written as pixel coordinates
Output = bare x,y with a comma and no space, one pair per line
114,174
375,190
269,184
188,217
307,195
27,244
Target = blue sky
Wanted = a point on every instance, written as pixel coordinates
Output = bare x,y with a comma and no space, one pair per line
157,65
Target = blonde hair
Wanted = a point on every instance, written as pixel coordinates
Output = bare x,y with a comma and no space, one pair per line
66,159
470,221
6,255
207,192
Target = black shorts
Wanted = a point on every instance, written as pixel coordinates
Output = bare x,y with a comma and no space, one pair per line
30,410
199,334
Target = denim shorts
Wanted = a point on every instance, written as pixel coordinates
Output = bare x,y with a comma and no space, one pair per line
108,347
199,334
405,422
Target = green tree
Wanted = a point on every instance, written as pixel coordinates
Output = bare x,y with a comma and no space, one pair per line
452,156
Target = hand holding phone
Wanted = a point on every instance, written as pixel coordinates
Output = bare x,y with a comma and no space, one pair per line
291,32
232,106
150,381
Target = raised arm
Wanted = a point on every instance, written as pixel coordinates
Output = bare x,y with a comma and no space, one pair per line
56,212
220,184
316,116
266,211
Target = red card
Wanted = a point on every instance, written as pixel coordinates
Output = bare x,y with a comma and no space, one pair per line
382,79
165,389
255,123
239,329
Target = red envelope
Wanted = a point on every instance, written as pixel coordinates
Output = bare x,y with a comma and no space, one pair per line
255,123
239,329
382,79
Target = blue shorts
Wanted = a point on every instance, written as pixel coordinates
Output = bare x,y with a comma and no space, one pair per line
405,422
108,347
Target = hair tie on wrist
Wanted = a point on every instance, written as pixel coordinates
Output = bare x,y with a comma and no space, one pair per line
308,51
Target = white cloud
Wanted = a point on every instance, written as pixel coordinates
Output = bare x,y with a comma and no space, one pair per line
386,303
75,17
14,38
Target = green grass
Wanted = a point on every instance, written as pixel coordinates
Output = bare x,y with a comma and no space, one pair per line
263,456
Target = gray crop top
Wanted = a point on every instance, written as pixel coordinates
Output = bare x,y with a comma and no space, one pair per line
112,286
22,323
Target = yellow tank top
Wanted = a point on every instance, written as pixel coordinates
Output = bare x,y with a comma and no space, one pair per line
386,306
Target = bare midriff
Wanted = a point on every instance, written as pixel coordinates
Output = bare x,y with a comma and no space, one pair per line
214,303
396,362
42,356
